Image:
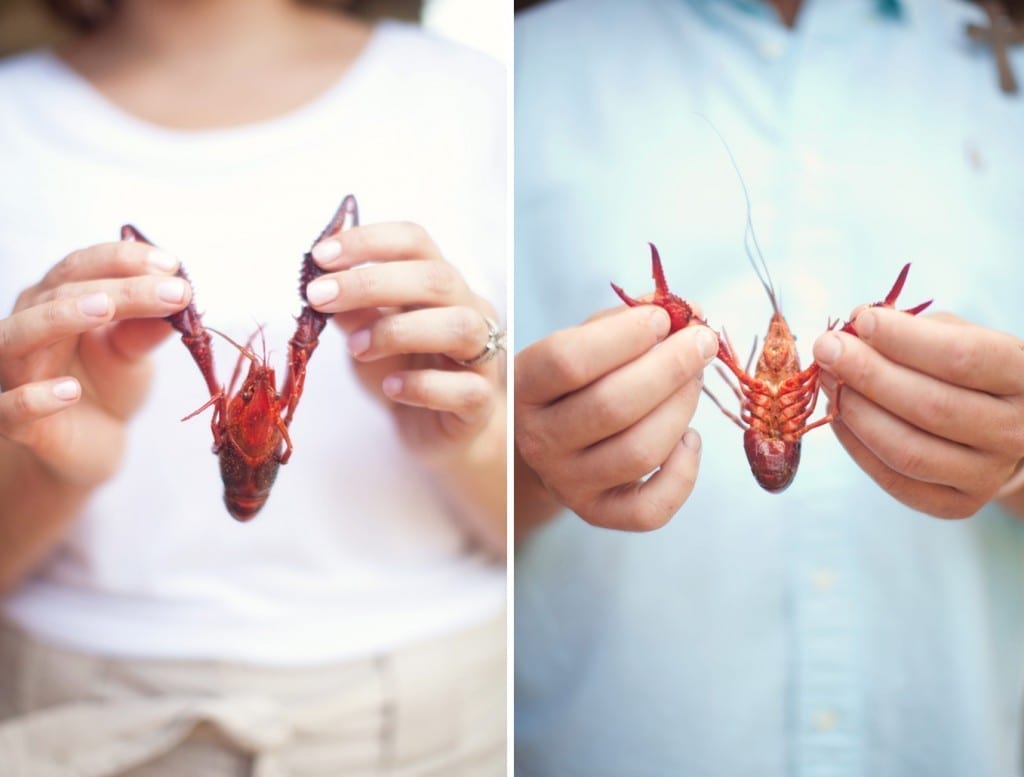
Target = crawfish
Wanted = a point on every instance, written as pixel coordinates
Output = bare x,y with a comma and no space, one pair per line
777,401
250,425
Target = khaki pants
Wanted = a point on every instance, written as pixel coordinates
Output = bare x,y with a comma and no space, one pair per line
435,708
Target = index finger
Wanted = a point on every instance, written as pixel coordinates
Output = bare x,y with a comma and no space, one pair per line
569,359
384,242
122,259
952,350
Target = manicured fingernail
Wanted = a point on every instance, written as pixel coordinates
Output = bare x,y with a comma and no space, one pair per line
327,250
865,324
161,260
392,385
321,290
692,440
707,344
97,304
359,342
171,290
66,390
827,349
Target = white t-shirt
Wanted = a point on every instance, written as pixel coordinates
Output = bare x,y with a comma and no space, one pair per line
356,550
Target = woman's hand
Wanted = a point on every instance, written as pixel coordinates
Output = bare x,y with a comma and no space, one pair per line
73,364
598,407
410,318
932,407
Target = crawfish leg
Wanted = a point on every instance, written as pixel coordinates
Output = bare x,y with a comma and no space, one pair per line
311,323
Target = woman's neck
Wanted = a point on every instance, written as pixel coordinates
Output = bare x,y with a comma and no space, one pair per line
197,64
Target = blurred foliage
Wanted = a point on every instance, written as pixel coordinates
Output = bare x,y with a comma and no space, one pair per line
26,24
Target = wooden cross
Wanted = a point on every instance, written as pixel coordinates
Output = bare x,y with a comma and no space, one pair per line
1000,35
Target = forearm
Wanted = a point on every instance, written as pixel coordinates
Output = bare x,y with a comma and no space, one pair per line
535,505
475,482
35,511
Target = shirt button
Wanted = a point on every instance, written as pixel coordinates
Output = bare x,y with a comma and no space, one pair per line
812,161
771,50
826,720
824,579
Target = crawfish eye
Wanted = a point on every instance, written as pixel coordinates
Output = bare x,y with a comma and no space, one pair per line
246,394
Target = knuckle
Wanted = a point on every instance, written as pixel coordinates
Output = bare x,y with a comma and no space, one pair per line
637,455
910,461
363,282
388,331
961,360
64,269
564,365
22,403
53,313
414,234
608,410
26,299
929,405
467,326
439,279
125,254
652,512
477,393
533,446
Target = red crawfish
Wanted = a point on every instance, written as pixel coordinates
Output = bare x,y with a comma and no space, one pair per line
250,425
778,400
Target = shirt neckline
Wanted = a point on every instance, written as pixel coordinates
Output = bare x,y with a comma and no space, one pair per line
74,112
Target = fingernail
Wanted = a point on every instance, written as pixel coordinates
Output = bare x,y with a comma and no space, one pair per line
321,290
161,260
97,304
707,344
359,342
171,290
827,349
392,385
659,319
66,390
327,250
865,324
692,440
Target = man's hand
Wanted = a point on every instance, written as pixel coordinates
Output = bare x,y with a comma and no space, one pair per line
598,407
932,408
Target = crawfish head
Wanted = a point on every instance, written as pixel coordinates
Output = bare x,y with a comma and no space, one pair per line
779,358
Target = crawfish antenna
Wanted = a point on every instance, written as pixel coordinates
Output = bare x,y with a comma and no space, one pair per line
246,352
749,236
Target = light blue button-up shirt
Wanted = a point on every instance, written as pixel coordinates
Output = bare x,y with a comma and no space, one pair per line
828,631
